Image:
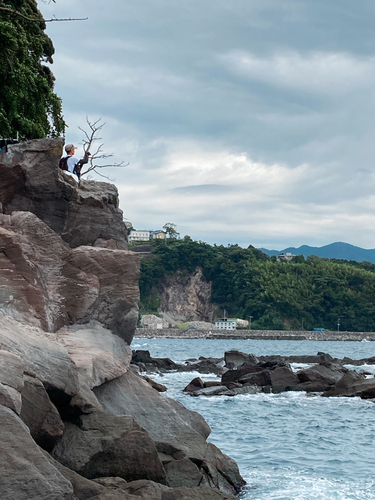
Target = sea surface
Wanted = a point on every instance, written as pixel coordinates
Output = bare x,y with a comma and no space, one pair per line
288,446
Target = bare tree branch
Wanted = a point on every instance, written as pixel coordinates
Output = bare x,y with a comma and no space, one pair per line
35,20
88,143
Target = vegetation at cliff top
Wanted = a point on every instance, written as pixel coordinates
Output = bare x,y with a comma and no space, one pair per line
278,295
28,105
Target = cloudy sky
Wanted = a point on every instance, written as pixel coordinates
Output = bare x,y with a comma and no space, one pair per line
244,121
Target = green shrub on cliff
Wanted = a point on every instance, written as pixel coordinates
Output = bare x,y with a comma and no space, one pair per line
28,104
279,295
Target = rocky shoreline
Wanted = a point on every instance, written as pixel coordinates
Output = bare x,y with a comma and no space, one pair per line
242,373
254,334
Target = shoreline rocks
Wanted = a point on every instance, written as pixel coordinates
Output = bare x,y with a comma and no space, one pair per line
327,376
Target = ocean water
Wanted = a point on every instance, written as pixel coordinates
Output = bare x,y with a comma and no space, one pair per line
289,446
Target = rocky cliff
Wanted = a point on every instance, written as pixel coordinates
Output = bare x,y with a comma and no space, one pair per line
76,421
186,297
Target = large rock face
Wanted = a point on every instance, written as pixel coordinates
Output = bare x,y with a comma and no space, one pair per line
186,297
68,311
80,213
46,283
25,472
179,434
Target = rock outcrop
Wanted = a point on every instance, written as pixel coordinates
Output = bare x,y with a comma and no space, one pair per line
247,374
82,214
187,297
75,421
46,283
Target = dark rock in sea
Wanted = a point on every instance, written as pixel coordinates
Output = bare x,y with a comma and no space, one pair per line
234,359
260,378
194,385
235,375
202,365
368,393
152,364
351,384
321,377
205,365
283,379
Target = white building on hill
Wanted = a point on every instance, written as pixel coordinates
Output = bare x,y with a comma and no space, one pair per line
145,235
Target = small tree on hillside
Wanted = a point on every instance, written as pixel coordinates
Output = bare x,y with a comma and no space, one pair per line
170,230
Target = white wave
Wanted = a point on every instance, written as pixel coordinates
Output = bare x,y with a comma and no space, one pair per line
292,484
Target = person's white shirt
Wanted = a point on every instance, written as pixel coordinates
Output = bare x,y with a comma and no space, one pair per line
72,162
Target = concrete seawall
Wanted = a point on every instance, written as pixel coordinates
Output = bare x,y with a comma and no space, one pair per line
254,334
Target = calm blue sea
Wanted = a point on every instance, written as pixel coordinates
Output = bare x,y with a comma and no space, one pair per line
288,446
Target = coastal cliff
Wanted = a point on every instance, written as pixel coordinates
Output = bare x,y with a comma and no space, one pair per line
186,297
77,419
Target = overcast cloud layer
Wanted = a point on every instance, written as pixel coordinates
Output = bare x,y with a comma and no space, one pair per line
244,121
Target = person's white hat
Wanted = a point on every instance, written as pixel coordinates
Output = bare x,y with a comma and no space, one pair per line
69,147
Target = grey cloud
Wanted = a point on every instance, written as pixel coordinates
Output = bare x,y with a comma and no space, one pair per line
205,189
163,73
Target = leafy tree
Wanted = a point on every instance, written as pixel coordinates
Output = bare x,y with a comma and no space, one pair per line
170,230
28,105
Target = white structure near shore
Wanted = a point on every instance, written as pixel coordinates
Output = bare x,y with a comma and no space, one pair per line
226,324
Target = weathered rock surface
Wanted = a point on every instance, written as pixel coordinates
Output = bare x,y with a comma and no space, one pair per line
114,488
187,296
80,213
40,414
49,285
173,435
44,357
97,354
101,444
68,310
118,274
11,380
25,472
37,285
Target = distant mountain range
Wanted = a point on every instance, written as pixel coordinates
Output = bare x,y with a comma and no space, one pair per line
337,250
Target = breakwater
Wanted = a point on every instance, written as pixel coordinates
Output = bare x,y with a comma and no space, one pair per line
254,334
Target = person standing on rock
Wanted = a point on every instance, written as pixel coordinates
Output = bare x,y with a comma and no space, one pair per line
73,164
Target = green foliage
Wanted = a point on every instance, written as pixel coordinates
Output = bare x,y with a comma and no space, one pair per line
150,303
28,104
279,295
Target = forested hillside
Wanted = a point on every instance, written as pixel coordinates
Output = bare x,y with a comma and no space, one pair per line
278,295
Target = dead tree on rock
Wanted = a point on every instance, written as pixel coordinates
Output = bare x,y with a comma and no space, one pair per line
97,155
